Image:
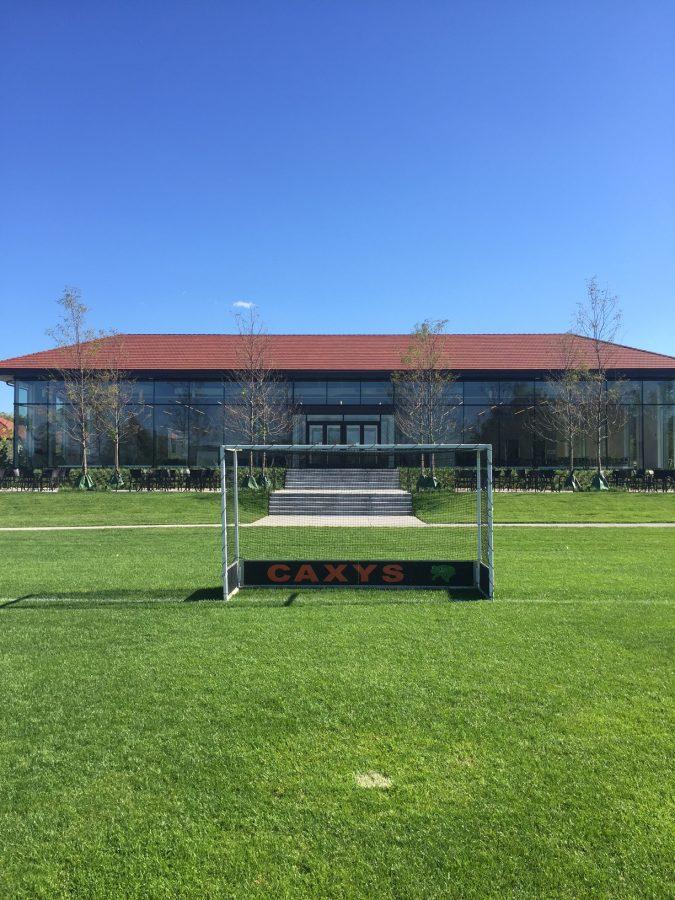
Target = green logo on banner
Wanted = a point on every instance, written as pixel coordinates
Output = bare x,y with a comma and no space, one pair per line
442,573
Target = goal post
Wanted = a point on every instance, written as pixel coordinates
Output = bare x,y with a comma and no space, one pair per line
357,515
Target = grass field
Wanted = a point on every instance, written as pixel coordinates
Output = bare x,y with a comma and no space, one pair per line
153,747
110,508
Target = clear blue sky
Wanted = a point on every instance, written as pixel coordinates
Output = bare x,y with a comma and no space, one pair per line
347,166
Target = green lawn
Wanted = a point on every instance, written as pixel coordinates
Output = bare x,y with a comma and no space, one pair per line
613,506
207,749
77,508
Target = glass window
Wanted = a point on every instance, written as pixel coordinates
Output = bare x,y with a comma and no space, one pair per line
624,447
625,391
545,390
207,391
32,391
452,427
32,435
516,391
171,435
376,392
233,393
480,425
348,392
140,391
659,436
168,391
516,443
659,391
136,445
310,392
206,434
278,392
453,392
481,391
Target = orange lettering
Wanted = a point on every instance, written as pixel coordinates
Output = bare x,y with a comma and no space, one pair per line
364,571
278,572
306,573
335,573
392,574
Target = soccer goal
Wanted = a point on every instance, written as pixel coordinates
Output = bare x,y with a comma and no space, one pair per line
357,516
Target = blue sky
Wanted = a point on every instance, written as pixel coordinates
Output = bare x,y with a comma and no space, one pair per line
346,166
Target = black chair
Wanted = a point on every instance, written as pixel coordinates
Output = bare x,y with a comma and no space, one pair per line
137,479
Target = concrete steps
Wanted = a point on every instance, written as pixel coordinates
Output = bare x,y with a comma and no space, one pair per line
362,479
341,492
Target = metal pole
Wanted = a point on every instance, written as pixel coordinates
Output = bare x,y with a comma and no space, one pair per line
491,561
235,499
223,520
479,514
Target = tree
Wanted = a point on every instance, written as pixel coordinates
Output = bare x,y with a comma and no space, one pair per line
599,321
421,409
114,417
258,408
562,415
78,373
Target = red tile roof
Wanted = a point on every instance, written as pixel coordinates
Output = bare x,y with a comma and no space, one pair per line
6,427
338,352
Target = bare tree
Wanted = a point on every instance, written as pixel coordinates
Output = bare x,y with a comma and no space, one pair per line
114,417
421,409
258,409
78,373
563,415
599,321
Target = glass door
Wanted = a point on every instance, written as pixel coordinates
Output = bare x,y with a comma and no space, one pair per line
315,434
334,434
370,434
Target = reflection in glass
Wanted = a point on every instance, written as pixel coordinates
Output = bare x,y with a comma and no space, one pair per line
167,391
136,447
659,391
481,392
171,435
376,392
624,447
516,391
659,436
31,391
310,392
207,392
206,435
348,392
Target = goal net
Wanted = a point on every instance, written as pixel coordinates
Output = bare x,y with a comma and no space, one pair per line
398,516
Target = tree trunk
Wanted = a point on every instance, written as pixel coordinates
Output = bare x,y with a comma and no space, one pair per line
85,460
117,453
422,464
250,463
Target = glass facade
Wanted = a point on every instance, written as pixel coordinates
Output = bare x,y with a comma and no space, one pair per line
182,423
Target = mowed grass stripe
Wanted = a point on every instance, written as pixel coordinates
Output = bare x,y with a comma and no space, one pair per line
110,508
529,562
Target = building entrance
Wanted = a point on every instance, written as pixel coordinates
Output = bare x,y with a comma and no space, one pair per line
342,433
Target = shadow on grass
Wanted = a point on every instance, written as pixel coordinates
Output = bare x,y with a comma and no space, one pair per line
246,599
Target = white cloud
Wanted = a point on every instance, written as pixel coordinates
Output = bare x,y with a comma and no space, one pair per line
243,304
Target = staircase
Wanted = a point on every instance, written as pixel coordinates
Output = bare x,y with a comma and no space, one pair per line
341,492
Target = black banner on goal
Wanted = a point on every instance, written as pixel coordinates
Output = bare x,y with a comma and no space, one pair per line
358,573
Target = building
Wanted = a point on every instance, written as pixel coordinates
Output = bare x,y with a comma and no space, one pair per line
342,392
